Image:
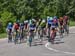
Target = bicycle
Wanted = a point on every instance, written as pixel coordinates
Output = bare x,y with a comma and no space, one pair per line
10,36
53,35
17,34
66,28
31,37
61,31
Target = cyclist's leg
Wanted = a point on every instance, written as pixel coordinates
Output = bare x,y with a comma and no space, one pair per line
49,33
16,36
41,35
62,31
30,38
10,36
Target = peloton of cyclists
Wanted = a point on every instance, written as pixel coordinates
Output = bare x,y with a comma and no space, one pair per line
49,27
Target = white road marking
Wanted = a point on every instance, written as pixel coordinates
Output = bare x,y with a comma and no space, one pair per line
55,50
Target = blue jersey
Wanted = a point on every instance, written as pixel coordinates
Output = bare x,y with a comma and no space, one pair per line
50,20
32,26
9,27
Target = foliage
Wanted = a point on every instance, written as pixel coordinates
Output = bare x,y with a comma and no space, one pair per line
27,9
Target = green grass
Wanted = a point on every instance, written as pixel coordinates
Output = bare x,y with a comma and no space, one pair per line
72,23
3,35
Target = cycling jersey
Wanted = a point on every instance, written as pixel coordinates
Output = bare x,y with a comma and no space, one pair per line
65,19
32,26
25,25
9,27
49,21
53,25
55,22
21,26
16,26
42,25
61,20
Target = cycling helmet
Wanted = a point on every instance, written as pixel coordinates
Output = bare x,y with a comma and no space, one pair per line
55,17
61,18
51,18
48,17
43,21
9,23
34,20
26,21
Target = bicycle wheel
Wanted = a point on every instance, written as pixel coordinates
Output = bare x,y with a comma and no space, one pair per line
30,41
53,37
16,38
9,37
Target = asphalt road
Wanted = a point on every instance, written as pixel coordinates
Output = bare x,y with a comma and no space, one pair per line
64,47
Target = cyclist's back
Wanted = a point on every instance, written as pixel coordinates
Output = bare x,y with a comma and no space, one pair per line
21,26
26,25
66,19
16,26
9,26
49,21
55,20
32,26
61,21
43,24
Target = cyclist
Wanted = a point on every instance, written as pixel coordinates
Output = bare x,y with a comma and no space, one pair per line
37,27
25,28
49,22
55,20
9,31
66,24
16,29
42,29
21,32
53,32
61,26
32,30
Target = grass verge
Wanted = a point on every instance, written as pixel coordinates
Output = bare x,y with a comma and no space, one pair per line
3,35
72,23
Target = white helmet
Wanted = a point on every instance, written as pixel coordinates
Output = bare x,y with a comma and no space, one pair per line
26,21
10,23
43,21
48,17
34,20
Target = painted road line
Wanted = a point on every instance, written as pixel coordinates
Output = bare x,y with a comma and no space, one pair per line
59,51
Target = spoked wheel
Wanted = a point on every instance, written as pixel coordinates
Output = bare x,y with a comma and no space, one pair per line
53,35
67,29
41,36
9,37
30,41
61,32
16,37
31,37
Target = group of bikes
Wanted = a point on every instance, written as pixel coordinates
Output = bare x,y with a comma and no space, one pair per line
29,30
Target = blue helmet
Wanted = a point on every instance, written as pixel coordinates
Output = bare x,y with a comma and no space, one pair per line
10,25
50,20
55,17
